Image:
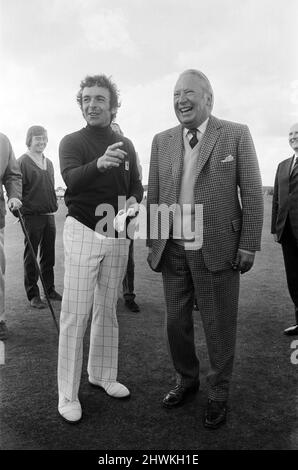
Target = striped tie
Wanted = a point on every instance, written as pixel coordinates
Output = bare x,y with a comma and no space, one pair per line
194,140
295,168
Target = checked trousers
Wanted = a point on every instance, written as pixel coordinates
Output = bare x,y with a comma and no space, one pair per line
185,276
94,269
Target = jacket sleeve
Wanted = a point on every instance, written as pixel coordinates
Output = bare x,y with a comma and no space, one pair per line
139,167
250,184
135,189
274,204
52,172
12,178
153,187
74,173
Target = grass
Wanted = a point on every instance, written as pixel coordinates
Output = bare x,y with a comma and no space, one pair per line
263,399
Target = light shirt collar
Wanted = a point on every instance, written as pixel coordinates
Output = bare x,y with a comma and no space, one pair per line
201,128
42,164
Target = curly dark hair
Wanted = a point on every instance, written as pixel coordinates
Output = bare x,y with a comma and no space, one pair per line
104,82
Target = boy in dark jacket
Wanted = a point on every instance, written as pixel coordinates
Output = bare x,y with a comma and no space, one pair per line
39,206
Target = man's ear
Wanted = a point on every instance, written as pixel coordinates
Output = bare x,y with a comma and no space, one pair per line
209,100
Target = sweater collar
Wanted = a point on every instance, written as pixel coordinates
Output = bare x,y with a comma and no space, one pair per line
101,132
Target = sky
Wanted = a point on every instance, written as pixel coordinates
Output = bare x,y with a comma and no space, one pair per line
247,48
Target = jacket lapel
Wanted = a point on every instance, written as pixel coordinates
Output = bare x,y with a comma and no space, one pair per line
286,169
209,139
175,150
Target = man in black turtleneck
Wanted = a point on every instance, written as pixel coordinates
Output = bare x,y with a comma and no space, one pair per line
99,169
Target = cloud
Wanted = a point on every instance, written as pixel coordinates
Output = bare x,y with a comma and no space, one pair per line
257,91
262,103
27,100
271,151
147,109
107,30
245,48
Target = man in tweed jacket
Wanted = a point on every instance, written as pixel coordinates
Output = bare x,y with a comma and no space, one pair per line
206,171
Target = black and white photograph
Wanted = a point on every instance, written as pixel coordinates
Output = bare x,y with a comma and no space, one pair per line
148,228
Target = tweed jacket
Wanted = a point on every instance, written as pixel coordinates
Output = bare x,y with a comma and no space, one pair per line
227,184
284,203
10,176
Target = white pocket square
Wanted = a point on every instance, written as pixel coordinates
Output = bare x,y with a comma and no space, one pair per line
228,159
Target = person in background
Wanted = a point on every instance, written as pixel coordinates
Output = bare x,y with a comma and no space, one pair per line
39,206
11,179
128,281
284,221
197,168
99,169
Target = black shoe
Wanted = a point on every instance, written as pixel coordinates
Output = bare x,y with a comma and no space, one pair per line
216,414
177,396
36,302
131,304
53,295
291,331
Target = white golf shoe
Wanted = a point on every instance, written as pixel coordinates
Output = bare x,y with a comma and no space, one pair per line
113,389
71,411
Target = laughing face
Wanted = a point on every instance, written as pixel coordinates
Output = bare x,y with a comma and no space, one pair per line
192,100
96,106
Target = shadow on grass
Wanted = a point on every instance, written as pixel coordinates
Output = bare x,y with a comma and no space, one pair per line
263,398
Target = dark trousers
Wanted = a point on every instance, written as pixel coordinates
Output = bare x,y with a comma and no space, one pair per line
290,252
128,281
42,233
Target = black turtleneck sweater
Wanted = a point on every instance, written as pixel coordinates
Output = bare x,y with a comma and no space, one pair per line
87,187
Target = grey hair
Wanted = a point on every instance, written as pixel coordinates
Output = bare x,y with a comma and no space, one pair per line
204,79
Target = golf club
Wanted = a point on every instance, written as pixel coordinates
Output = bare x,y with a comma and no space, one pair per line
37,267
